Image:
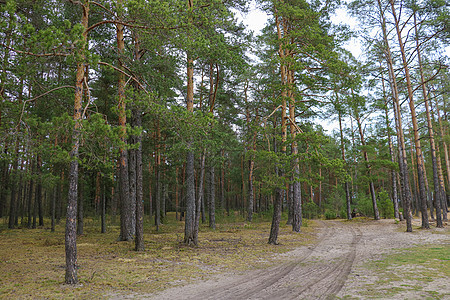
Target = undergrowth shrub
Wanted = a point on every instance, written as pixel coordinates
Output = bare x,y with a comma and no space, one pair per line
385,205
310,210
364,205
330,214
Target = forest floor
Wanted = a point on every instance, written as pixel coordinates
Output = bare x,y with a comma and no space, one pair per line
330,259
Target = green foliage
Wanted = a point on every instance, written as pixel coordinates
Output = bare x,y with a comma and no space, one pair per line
310,210
364,204
385,205
330,214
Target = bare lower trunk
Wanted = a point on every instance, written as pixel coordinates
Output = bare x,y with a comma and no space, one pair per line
189,229
200,197
139,240
212,200
80,223
251,196
290,203
158,198
276,218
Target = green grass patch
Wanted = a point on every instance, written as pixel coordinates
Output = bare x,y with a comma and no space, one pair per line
410,270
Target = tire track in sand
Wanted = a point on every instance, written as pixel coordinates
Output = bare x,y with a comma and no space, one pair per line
316,272
250,284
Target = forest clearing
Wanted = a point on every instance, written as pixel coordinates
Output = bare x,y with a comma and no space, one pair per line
174,147
356,259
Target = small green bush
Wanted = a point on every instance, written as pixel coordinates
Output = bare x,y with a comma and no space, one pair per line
330,214
364,205
310,210
385,205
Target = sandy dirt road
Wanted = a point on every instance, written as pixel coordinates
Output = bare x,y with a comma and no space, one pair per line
329,269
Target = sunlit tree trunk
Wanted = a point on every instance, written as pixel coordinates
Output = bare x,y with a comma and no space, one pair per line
420,161
438,188
447,163
126,204
137,139
71,215
189,229
296,191
277,207
402,161
391,153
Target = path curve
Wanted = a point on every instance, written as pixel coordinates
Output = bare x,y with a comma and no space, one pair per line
314,272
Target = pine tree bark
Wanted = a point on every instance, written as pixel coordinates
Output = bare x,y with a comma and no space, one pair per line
419,155
71,215
80,216
436,182
39,191
200,196
391,153
376,214
30,194
347,192
402,161
447,164
296,190
277,207
251,163
139,204
127,212
139,239
212,198
189,229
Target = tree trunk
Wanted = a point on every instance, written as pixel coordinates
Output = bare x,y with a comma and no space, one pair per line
53,209
127,213
347,192
71,215
222,182
139,241
189,233
103,217
80,223
39,192
251,163
139,182
403,166
276,218
447,163
391,153
212,198
150,194
366,159
30,194
59,200
158,195
419,155
189,229
200,196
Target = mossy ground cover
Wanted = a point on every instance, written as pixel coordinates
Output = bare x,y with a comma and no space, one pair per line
32,263
411,270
